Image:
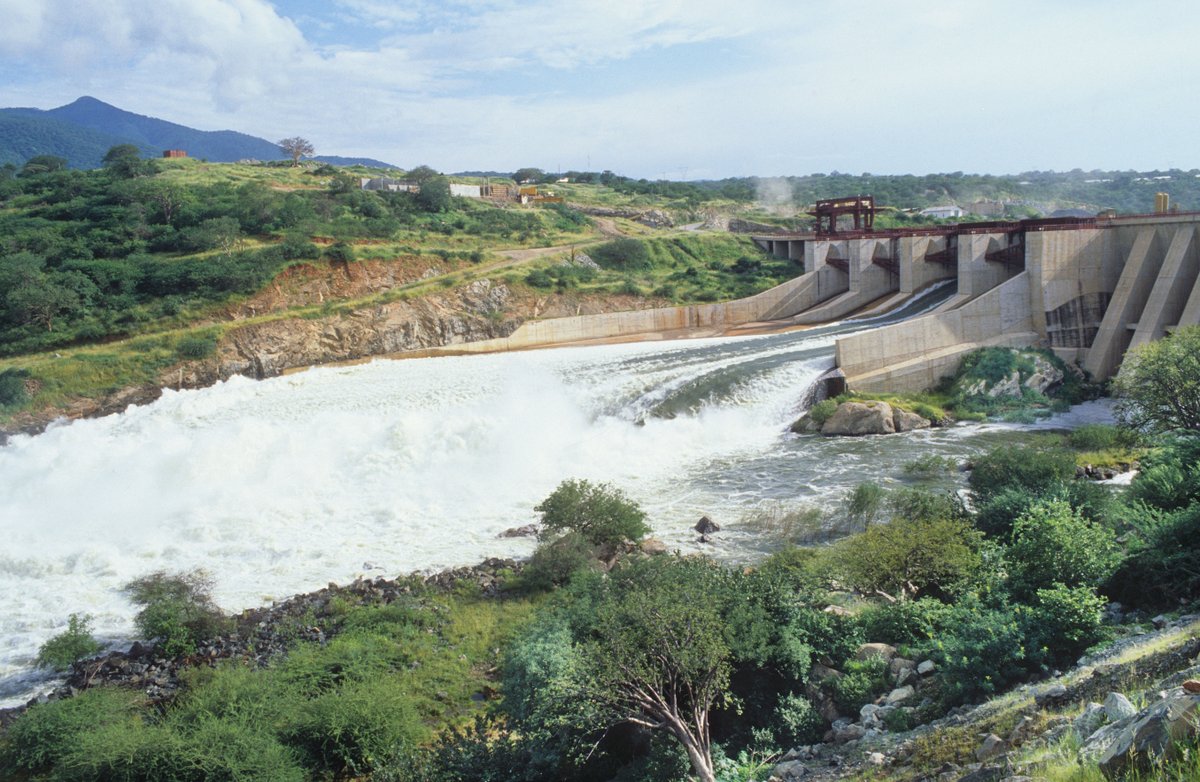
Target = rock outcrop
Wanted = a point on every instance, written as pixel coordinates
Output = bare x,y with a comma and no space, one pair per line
853,419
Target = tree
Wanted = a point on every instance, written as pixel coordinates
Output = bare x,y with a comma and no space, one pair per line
296,148
124,161
69,646
600,512
1054,544
659,658
528,175
42,164
434,195
421,174
1159,383
175,609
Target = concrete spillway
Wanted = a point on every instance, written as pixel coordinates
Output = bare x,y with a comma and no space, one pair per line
1087,289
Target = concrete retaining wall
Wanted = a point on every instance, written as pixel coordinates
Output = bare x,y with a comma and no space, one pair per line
779,302
915,354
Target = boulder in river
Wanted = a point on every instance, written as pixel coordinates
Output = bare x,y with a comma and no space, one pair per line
707,526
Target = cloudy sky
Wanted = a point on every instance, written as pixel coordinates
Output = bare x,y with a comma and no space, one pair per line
682,89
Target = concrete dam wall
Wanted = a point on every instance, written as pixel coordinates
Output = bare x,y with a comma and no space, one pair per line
1089,290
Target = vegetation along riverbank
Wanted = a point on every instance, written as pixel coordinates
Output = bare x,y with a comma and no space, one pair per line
1042,626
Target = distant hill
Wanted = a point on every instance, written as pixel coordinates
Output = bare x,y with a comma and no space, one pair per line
84,130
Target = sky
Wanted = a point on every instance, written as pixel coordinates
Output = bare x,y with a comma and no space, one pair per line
676,89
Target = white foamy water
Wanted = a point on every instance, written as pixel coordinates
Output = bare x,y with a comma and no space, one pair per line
281,486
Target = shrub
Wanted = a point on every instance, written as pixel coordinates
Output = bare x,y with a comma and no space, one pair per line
904,622
864,503
1054,544
797,721
864,680
1012,467
12,388
554,562
995,517
1101,437
1160,383
46,733
601,513
297,247
340,252
355,728
1162,569
1063,622
821,411
929,466
69,646
196,347
622,255
982,653
908,557
175,609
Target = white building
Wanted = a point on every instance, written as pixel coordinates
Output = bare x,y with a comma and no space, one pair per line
942,212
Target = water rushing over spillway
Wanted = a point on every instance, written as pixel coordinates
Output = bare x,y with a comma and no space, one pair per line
280,486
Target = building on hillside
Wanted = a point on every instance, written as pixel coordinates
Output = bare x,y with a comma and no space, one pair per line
500,192
942,212
389,185
174,153
986,207
466,191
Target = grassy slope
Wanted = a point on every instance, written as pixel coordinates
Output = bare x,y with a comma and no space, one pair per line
685,267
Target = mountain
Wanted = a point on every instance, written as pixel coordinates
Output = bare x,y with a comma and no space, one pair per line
84,130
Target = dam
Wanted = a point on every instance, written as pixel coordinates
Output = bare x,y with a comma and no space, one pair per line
1087,288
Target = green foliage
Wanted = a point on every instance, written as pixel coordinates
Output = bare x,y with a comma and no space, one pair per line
798,721
434,195
13,393
176,609
69,646
1169,478
195,347
554,561
1062,622
622,254
50,732
929,466
822,411
601,513
864,680
864,503
983,655
906,622
1102,437
340,252
1054,544
353,729
924,556
1011,467
1159,383
1163,566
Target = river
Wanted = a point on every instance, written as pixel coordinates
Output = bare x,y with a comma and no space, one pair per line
280,486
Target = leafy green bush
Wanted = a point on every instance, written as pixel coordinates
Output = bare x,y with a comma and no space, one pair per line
864,503
821,411
355,728
12,389
555,561
982,653
1054,544
908,557
601,513
622,255
1161,570
1101,437
1063,622
929,466
69,646
48,732
863,682
1013,467
196,347
176,609
340,252
797,721
904,622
